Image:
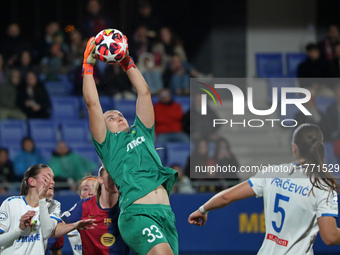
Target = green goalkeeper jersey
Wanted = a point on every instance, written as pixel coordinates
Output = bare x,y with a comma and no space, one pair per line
133,163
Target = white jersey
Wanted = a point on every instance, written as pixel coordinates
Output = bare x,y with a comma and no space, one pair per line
291,211
32,241
75,242
74,239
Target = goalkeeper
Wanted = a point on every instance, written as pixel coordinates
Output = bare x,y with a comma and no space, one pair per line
146,221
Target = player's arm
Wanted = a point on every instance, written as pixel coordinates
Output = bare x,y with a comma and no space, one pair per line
144,107
49,226
16,231
222,199
329,232
63,228
90,94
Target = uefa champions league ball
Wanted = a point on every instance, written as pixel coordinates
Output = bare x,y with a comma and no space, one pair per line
111,46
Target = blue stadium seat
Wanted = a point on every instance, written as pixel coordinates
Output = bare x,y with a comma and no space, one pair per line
161,152
184,102
46,150
75,131
292,61
88,152
280,83
12,131
269,65
177,153
65,108
323,102
59,88
126,107
44,132
106,103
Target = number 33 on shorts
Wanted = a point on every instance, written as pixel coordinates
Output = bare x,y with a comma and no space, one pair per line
152,232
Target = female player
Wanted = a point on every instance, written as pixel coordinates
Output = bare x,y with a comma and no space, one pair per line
85,190
22,227
297,204
147,223
104,208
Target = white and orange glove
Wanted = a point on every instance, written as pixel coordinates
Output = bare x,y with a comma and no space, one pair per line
89,60
128,61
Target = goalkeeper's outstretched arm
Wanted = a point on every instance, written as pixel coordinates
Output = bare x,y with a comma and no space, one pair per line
90,94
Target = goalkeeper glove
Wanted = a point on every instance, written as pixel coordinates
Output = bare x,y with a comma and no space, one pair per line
89,60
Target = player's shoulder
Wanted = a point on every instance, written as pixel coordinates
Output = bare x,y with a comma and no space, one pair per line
82,203
15,199
53,202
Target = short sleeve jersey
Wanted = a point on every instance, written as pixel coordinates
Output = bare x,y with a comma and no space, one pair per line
105,238
133,163
32,242
291,211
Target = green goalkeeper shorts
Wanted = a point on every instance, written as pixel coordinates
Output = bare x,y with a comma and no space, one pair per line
143,226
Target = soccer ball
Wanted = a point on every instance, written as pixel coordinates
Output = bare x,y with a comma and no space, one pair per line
111,46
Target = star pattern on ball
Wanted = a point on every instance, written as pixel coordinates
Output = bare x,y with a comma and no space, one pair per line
107,40
123,45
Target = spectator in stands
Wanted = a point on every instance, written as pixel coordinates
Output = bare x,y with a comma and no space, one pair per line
316,118
168,120
54,63
33,98
200,155
13,44
152,76
67,164
6,171
2,70
177,77
75,50
225,157
8,97
209,182
313,67
25,63
145,18
27,157
183,184
139,43
335,62
95,20
168,45
45,43
199,126
327,46
114,74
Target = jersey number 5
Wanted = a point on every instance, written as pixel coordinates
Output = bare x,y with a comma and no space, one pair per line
149,233
278,209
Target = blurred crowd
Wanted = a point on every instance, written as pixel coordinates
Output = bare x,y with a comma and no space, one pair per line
26,68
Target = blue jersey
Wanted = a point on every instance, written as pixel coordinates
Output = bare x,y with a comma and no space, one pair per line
105,238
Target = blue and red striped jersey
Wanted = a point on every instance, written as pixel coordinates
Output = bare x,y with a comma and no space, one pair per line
105,238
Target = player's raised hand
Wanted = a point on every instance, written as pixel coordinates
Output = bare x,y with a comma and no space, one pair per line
46,185
25,220
89,59
197,218
85,224
127,62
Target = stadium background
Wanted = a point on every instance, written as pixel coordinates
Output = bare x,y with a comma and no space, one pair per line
222,38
